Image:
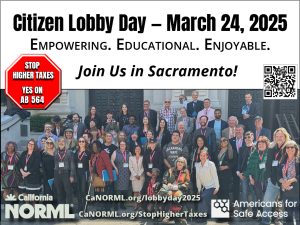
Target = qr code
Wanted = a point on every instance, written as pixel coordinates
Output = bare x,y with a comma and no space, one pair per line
280,82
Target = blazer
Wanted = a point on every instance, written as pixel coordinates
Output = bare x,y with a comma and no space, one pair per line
61,132
232,141
224,124
136,168
197,107
210,139
264,132
189,124
152,118
187,140
225,132
166,138
253,112
157,160
80,129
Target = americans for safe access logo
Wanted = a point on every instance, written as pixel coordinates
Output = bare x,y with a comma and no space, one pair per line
37,211
220,208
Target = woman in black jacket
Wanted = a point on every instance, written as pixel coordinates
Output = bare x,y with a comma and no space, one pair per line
163,135
93,116
223,160
29,166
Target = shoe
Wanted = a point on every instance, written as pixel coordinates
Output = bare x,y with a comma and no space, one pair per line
183,221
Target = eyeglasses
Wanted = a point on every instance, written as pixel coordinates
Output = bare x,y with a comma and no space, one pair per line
180,161
167,101
81,141
224,140
289,147
49,143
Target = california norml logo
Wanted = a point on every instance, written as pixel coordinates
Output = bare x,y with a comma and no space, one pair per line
11,198
36,211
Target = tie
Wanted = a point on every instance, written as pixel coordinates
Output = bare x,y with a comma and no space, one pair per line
205,112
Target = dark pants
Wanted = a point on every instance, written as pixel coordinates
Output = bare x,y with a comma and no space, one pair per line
82,188
63,188
225,178
235,187
205,200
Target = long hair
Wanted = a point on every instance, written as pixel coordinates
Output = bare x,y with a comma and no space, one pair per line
166,125
285,155
285,133
35,145
54,144
204,140
229,148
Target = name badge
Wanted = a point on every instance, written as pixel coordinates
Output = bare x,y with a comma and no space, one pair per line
221,163
61,164
262,166
25,168
80,165
10,167
125,165
150,165
275,163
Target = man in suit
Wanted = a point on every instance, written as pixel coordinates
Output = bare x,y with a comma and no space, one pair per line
260,130
194,106
236,143
249,112
218,124
58,129
185,137
209,134
77,126
187,121
229,132
150,113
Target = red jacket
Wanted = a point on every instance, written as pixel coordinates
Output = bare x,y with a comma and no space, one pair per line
103,163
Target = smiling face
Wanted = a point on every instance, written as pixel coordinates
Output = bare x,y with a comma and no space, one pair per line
61,143
224,143
180,164
162,124
10,148
206,103
203,156
108,138
200,142
262,146
279,138
290,151
122,146
203,121
248,98
69,135
194,95
93,110
81,143
124,109
145,120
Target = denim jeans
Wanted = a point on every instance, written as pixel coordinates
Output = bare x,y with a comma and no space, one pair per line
271,194
205,200
247,189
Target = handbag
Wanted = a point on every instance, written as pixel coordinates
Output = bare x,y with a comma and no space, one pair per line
97,182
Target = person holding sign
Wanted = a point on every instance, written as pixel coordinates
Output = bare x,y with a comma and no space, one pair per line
48,166
29,166
64,172
256,167
82,161
10,175
120,161
280,137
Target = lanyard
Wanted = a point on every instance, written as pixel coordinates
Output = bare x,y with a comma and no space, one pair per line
81,156
124,156
203,133
62,158
27,159
10,158
151,156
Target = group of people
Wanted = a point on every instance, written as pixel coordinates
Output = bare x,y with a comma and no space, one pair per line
170,152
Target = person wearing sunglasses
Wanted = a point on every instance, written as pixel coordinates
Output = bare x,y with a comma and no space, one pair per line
64,172
48,167
82,160
224,160
289,180
245,151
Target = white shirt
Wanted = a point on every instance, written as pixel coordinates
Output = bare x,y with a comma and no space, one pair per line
206,176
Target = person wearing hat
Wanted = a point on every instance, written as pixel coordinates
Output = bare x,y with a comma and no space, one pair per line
58,129
71,142
153,158
259,130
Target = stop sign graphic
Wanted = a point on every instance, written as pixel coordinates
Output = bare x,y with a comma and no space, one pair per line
33,81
